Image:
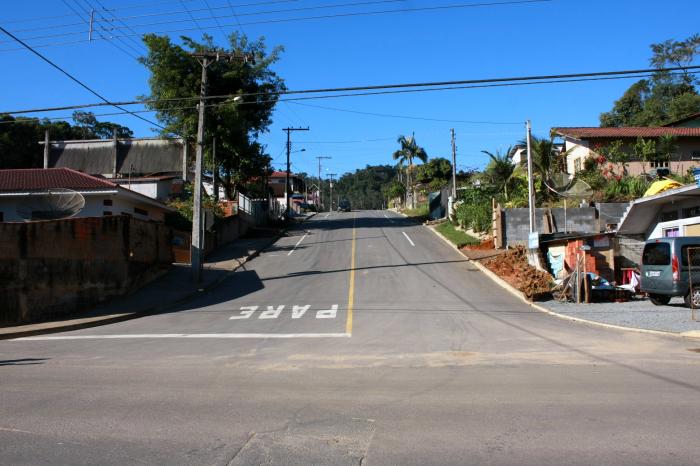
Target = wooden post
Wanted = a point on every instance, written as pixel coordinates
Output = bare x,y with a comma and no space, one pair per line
185,154
585,278
47,149
115,153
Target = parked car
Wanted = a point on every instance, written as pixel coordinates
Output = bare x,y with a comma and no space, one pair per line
344,206
667,264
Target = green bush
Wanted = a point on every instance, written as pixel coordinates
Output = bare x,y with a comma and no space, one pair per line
475,216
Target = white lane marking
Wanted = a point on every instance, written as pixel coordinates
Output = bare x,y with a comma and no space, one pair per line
409,239
298,242
188,335
387,217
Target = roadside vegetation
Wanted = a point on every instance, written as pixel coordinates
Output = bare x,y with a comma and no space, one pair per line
456,237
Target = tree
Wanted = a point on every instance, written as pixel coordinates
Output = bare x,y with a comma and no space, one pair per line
367,188
236,125
408,152
547,160
435,173
500,170
96,129
666,96
645,151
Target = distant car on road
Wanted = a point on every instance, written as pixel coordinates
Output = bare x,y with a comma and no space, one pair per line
344,206
666,270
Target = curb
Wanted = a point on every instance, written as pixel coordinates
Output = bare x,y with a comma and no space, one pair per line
116,318
508,287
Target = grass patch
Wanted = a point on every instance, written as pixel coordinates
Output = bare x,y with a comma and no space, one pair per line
420,213
456,237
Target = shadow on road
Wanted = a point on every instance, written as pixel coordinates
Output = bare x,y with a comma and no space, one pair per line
23,361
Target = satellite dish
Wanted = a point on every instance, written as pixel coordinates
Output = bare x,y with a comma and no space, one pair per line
568,186
50,204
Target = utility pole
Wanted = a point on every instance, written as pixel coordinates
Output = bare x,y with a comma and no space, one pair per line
320,183
286,176
454,167
330,202
214,170
205,59
530,182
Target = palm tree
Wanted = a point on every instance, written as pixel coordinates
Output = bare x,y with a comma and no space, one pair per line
408,152
546,160
500,170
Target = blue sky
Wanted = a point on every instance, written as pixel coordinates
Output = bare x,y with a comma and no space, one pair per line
561,36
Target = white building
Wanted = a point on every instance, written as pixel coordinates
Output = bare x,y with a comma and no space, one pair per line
20,189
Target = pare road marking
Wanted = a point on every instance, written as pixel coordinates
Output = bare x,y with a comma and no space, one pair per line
274,312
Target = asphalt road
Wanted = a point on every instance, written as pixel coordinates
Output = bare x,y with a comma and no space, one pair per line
360,338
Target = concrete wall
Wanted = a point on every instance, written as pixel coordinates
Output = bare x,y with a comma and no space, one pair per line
54,268
516,225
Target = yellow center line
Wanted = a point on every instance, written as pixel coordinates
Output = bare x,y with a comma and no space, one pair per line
351,290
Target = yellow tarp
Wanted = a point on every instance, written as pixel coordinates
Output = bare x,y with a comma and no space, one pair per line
661,186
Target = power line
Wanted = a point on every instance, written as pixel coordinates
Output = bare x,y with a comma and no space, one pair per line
77,81
388,115
109,12
307,18
128,7
392,88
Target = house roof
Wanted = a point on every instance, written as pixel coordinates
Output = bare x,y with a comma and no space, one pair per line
643,211
625,132
694,116
281,174
23,181
35,179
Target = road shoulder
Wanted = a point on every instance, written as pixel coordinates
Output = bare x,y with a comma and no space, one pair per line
694,334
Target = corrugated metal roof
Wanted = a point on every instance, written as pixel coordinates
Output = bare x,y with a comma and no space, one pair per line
625,132
33,179
138,156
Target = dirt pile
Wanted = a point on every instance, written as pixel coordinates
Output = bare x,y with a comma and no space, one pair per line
514,268
486,244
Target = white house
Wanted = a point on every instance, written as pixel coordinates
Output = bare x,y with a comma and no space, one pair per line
675,212
20,189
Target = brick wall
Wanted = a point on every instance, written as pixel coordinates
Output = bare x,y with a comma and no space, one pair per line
54,268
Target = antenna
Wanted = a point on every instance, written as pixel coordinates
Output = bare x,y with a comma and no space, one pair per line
50,204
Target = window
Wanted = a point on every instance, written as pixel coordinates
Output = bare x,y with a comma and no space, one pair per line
695,155
659,164
2,216
694,254
107,202
668,216
656,254
106,213
577,165
691,212
140,211
671,232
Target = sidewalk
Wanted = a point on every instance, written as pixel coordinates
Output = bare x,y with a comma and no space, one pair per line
173,288
637,315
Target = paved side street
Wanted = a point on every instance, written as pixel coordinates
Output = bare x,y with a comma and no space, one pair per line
346,343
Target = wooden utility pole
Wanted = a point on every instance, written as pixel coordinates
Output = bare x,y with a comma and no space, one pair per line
320,183
454,167
196,253
330,202
286,176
